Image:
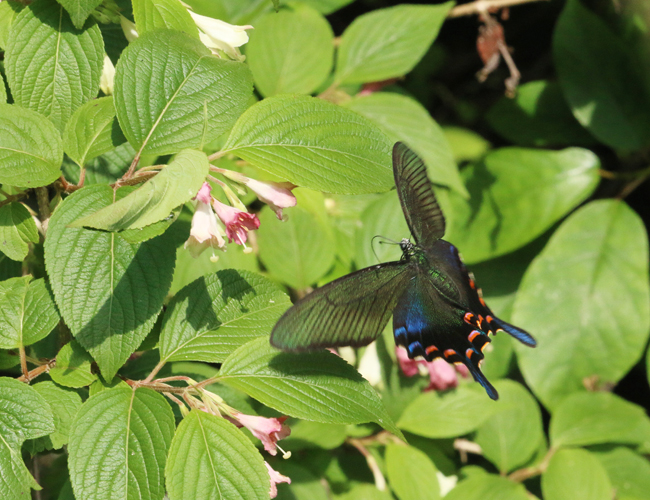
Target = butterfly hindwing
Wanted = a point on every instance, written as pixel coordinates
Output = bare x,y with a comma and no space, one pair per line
419,204
350,311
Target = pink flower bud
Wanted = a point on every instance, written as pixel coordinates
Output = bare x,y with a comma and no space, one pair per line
276,478
276,195
237,222
205,231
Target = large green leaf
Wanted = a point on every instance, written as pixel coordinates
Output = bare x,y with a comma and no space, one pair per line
487,487
404,119
315,144
200,95
575,475
586,299
211,459
628,471
290,52
537,116
27,312
585,419
601,79
154,201
91,131
8,10
17,229
108,291
118,445
150,15
387,43
79,10
515,195
24,414
53,67
30,148
211,317
513,434
298,251
453,414
64,404
411,474
316,386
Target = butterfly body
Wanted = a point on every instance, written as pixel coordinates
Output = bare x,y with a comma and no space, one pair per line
437,309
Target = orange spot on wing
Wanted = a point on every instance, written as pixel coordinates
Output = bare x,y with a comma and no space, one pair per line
469,353
431,349
473,335
472,284
449,352
482,301
489,318
469,318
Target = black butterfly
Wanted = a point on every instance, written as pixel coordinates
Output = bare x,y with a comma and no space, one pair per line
437,309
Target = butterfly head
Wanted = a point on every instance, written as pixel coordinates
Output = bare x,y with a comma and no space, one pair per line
406,246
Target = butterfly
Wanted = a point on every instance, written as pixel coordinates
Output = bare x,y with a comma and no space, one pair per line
438,311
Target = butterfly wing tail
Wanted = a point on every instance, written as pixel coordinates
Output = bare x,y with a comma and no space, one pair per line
481,379
521,335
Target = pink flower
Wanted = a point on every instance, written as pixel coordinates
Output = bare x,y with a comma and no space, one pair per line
276,478
267,430
442,375
276,195
237,222
205,231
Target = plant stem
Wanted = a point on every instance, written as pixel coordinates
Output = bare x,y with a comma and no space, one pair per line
521,475
23,363
31,375
481,6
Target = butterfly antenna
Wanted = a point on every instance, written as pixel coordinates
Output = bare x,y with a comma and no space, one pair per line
383,241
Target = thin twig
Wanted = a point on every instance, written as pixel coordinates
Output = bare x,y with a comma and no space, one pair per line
481,6
37,371
380,481
521,475
12,197
154,372
23,362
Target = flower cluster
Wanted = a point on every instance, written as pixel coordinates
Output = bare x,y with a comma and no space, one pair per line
442,375
214,221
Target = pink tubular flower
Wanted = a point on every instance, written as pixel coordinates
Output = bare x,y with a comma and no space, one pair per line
276,195
205,231
267,430
237,222
442,375
276,478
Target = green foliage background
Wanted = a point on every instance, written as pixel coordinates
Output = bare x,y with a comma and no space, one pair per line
544,195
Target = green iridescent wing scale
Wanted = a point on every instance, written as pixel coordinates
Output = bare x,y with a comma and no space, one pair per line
350,311
419,204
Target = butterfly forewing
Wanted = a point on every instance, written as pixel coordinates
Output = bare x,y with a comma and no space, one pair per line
419,204
350,311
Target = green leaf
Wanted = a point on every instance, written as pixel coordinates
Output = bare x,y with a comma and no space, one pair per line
387,43
109,291
315,144
79,10
73,366
404,119
601,79
118,445
214,315
488,487
584,419
175,184
298,251
30,148
515,195
24,414
411,474
53,67
513,434
575,475
597,322
537,116
364,491
91,131
628,471
27,312
466,145
382,217
64,404
307,434
327,6
290,52
153,14
202,97
17,229
316,386
104,169
211,459
8,10
3,88
452,414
